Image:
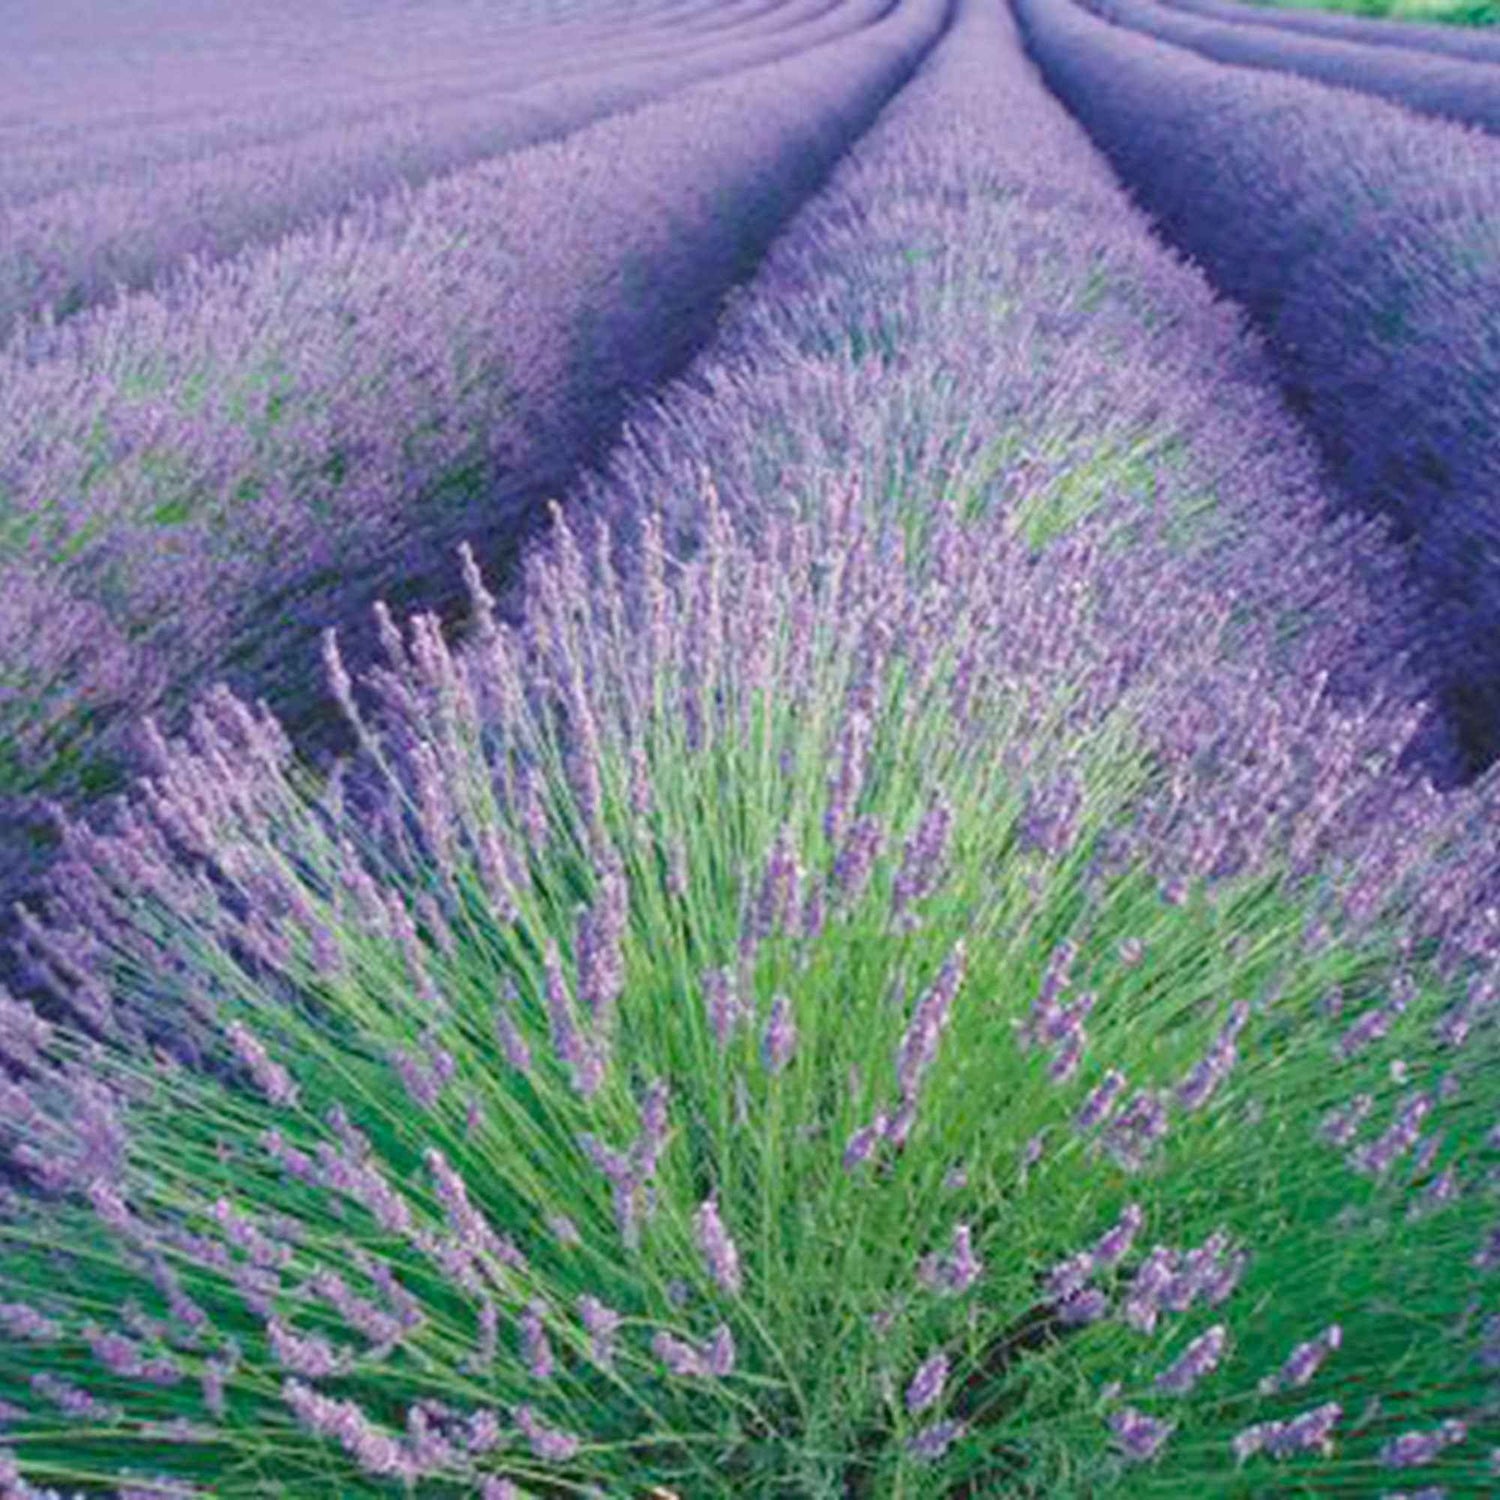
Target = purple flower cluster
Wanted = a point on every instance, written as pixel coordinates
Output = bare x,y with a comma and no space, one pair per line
1308,1432
713,1359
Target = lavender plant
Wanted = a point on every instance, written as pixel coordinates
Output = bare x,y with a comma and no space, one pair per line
1466,92
1359,254
776,1017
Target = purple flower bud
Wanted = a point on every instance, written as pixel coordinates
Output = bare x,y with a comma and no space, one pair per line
926,1387
1412,1450
269,1077
856,860
1100,1101
550,1444
862,1143
1139,1435
934,1440
718,1250
535,1348
1081,1308
1116,1241
1197,1360
602,1323
1304,1361
780,1037
1069,1277
725,1008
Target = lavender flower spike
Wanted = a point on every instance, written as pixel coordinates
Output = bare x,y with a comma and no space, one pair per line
1139,1435
719,1252
780,1037
1197,1360
927,1384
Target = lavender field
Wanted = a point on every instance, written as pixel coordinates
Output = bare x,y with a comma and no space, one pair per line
746,749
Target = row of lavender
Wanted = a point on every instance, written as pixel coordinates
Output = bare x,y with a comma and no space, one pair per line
50,150
930,705
1365,243
193,104
81,245
1466,42
1448,88
196,482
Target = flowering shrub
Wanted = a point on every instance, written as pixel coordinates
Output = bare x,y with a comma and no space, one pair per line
811,1006
1358,238
1450,88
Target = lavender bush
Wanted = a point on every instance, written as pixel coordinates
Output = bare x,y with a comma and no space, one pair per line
1361,240
1449,88
581,1088
85,243
1472,44
222,468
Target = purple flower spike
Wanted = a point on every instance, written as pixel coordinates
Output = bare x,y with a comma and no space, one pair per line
718,1250
933,1441
550,1444
926,1387
1197,1360
1412,1450
1116,1241
535,1347
780,1038
1139,1435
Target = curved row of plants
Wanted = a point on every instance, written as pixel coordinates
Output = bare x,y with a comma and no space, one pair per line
87,134
193,483
911,966
1455,89
83,245
1361,240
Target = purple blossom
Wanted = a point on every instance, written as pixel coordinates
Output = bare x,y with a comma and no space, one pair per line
926,1387
1079,1309
601,1323
780,1037
954,1273
934,1440
551,1444
718,1250
726,1010
1303,1362
1300,1434
1197,1360
1100,1101
1412,1450
1139,1436
1116,1241
535,1348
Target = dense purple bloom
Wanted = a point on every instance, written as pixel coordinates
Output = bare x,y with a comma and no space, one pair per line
780,1037
926,1387
551,1444
956,1271
718,1250
1304,1361
933,1441
1413,1449
1197,1360
1139,1435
